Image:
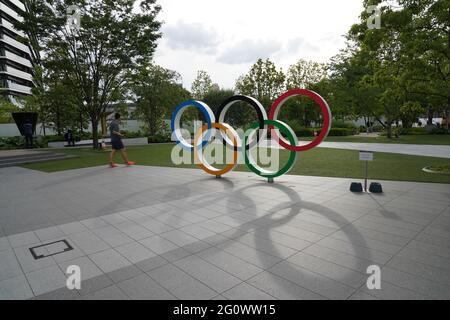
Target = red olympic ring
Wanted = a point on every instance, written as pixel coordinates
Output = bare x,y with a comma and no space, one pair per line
273,115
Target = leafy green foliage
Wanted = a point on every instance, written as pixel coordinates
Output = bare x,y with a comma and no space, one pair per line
202,85
157,91
95,61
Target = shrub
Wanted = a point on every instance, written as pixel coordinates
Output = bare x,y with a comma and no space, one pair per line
343,124
438,131
158,138
335,132
7,143
378,128
309,132
412,131
304,132
132,135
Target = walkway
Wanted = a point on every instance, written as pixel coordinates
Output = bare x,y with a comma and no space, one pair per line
165,233
438,151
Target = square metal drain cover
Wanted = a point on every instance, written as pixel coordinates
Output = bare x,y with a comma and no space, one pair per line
50,249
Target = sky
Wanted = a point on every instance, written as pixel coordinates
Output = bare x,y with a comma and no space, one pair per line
225,38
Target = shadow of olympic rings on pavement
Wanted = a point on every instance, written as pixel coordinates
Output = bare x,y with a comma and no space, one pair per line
261,227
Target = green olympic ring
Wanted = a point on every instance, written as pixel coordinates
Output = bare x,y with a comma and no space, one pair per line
252,164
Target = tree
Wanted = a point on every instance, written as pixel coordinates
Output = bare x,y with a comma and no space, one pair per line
6,110
97,59
410,55
201,85
304,73
263,82
157,92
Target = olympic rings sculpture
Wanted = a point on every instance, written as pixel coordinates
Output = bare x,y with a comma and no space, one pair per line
264,123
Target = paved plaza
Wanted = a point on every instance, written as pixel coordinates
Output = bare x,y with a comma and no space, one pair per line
409,149
164,233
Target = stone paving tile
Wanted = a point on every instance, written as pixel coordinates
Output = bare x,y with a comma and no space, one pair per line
367,253
422,270
425,258
391,292
152,263
87,267
133,230
433,240
198,232
245,291
412,282
94,223
4,244
207,273
9,266
112,236
329,241
361,241
158,244
229,263
94,284
179,238
15,289
109,260
28,262
46,280
267,246
49,234
180,284
59,294
109,293
328,269
124,273
251,255
143,287
72,228
375,235
282,289
431,249
135,252
69,255
312,281
23,239
339,258
88,242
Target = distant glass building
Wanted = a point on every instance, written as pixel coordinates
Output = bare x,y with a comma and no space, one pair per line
16,58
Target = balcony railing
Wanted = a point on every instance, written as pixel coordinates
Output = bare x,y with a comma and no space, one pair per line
19,88
10,12
8,25
15,43
17,73
18,4
14,57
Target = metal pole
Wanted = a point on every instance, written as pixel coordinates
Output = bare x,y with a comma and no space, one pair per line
365,181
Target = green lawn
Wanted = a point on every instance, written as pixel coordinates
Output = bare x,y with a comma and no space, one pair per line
435,139
317,162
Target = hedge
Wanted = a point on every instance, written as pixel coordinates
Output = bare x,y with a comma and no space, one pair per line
309,132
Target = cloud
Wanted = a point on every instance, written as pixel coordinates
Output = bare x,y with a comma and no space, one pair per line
191,36
296,44
248,51
333,39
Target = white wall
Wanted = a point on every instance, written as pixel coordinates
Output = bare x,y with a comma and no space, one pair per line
11,130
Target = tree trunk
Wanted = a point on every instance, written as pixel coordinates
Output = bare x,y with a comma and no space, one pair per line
58,121
95,133
430,116
389,129
447,111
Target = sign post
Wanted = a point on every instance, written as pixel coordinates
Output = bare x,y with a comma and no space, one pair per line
366,156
